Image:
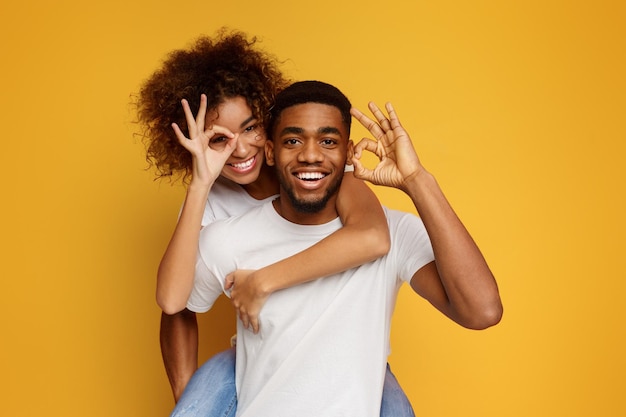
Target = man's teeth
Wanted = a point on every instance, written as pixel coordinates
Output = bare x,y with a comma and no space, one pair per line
243,165
310,176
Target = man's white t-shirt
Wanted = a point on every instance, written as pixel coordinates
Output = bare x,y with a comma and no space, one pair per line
322,346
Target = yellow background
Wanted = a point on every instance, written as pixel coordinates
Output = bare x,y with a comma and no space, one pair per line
517,107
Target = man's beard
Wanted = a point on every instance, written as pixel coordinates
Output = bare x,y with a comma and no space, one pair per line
305,206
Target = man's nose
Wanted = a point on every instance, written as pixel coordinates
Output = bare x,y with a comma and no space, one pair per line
310,153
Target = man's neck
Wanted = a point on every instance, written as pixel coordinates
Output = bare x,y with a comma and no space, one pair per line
285,209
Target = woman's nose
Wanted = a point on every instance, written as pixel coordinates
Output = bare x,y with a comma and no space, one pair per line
241,150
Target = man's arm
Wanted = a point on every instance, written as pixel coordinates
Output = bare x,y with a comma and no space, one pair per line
459,283
179,347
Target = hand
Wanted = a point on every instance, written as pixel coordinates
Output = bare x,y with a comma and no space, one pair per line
398,161
247,296
207,162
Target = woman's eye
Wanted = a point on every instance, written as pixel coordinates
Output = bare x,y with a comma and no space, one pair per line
250,129
218,139
218,142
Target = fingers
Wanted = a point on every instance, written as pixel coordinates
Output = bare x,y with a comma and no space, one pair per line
191,121
382,125
249,321
367,123
360,171
225,148
179,134
241,311
219,130
367,145
393,116
245,320
200,117
380,116
195,124
254,322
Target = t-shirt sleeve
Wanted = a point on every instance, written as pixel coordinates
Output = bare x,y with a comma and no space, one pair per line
414,249
206,289
208,216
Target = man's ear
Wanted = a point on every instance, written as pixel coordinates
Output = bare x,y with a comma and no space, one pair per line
269,152
350,152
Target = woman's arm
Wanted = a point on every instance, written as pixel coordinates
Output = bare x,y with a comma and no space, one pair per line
177,268
179,329
364,238
179,348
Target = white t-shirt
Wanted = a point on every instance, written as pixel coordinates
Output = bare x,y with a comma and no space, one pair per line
228,199
322,346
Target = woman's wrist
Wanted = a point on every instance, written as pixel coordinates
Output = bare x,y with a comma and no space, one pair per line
263,280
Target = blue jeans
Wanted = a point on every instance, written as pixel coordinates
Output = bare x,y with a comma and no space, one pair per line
211,392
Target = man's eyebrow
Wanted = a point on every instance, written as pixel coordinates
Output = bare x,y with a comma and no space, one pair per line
248,120
292,129
328,129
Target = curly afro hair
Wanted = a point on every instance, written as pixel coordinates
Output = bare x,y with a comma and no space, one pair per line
225,66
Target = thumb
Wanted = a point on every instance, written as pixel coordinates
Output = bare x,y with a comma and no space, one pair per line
361,172
229,281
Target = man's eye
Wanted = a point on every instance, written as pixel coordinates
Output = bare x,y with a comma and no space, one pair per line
329,142
291,141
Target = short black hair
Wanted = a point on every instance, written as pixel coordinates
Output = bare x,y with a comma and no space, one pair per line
303,92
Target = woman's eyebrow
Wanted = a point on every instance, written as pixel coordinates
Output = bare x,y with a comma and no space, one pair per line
248,120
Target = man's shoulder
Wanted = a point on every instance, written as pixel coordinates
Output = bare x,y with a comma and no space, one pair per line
403,223
396,216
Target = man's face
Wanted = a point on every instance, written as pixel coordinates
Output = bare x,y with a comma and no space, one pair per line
309,149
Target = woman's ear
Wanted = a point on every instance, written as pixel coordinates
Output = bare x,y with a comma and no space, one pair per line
269,152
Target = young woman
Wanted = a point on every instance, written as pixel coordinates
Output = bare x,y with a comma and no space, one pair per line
219,154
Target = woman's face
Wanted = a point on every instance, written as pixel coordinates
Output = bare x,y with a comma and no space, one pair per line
244,164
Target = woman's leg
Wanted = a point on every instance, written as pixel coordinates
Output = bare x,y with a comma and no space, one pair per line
211,390
395,403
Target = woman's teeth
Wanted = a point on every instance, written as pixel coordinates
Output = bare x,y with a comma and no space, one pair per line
243,165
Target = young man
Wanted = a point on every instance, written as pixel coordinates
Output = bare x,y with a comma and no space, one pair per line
322,346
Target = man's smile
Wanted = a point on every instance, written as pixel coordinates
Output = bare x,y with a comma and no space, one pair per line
310,176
